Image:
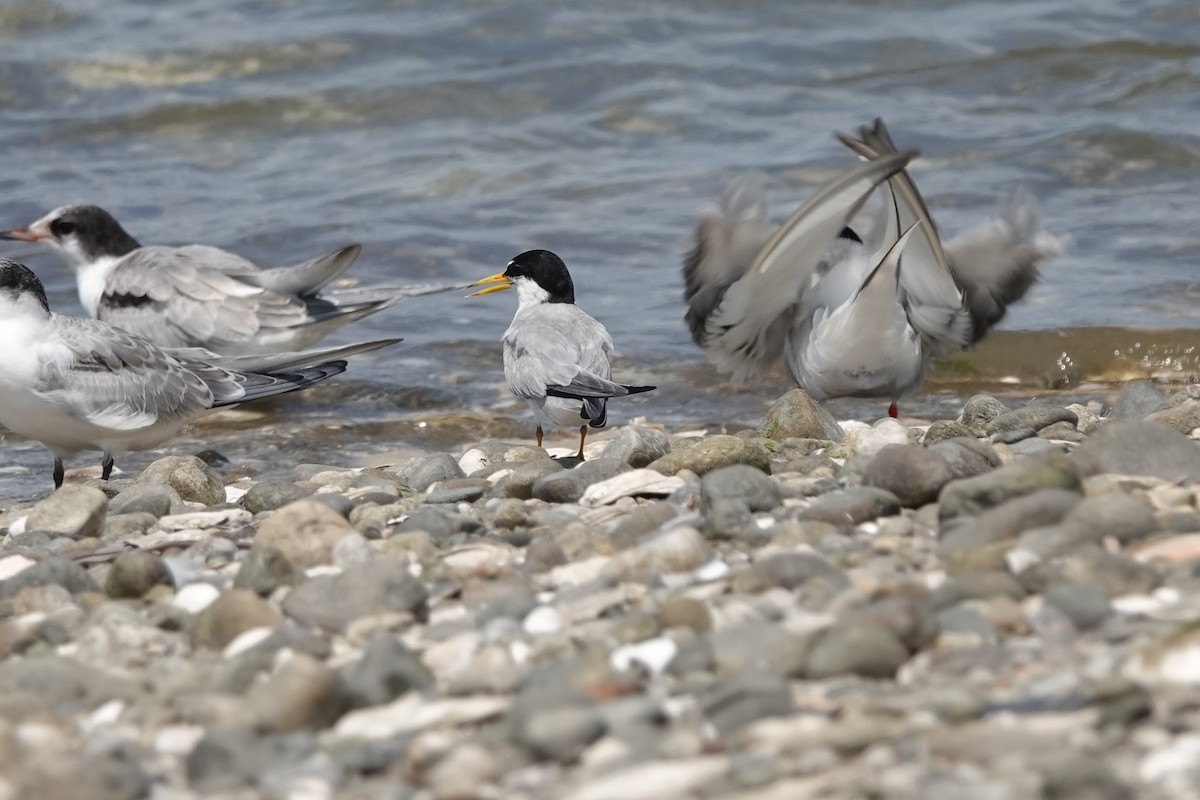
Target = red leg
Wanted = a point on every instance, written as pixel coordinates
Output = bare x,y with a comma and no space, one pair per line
893,411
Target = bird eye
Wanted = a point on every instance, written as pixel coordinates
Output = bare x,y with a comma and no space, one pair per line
61,227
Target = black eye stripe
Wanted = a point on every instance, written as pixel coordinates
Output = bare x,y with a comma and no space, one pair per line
62,227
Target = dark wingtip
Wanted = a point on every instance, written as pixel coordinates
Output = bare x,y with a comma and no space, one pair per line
640,389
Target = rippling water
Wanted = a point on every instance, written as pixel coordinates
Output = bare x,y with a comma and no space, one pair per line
446,137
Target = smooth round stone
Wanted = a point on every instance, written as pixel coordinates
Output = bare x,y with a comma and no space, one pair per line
979,411
52,571
637,446
793,570
333,602
135,573
1135,400
304,531
434,468
712,453
387,670
569,485
1034,417
914,474
1183,417
143,498
741,482
796,415
866,651
752,695
270,495
851,506
264,569
195,481
685,612
72,510
519,483
303,694
1063,432
944,429
1013,435
458,490
230,615
1086,606
1022,477
1138,448
730,518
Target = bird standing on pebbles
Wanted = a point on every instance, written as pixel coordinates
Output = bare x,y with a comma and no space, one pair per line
853,318
81,384
556,356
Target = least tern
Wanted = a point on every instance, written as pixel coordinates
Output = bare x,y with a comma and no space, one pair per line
202,296
853,318
82,384
556,356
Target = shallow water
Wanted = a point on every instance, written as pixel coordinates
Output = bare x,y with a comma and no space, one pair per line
446,137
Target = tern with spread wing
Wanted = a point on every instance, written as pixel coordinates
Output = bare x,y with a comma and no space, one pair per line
556,357
202,296
853,317
81,384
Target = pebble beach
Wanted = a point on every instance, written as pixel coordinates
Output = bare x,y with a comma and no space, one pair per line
1001,605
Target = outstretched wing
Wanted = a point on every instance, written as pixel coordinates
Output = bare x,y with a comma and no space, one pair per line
743,334
997,262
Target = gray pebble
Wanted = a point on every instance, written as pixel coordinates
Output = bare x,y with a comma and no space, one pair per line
740,482
1033,417
636,446
135,573
73,511
144,498
796,415
334,601
1135,400
979,411
270,495
434,468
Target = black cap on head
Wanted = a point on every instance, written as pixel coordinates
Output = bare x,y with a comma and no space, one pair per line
17,279
547,271
99,232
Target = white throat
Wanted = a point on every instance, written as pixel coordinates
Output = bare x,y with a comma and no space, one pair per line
529,294
91,278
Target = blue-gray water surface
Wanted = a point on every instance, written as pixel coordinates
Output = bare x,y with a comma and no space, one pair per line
448,136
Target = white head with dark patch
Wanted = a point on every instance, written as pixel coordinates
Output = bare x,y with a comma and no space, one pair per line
83,234
21,293
539,277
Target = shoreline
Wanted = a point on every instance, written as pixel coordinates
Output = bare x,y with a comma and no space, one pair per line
1005,602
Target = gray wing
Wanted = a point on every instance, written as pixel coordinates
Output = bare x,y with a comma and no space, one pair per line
176,297
997,262
115,380
309,277
558,346
726,239
279,362
744,333
932,299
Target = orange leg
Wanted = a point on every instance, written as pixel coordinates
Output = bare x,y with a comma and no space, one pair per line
539,435
893,410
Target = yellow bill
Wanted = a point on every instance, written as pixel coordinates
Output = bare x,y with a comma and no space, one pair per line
501,281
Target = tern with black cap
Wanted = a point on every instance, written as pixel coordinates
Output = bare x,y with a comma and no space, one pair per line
81,384
202,296
556,356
